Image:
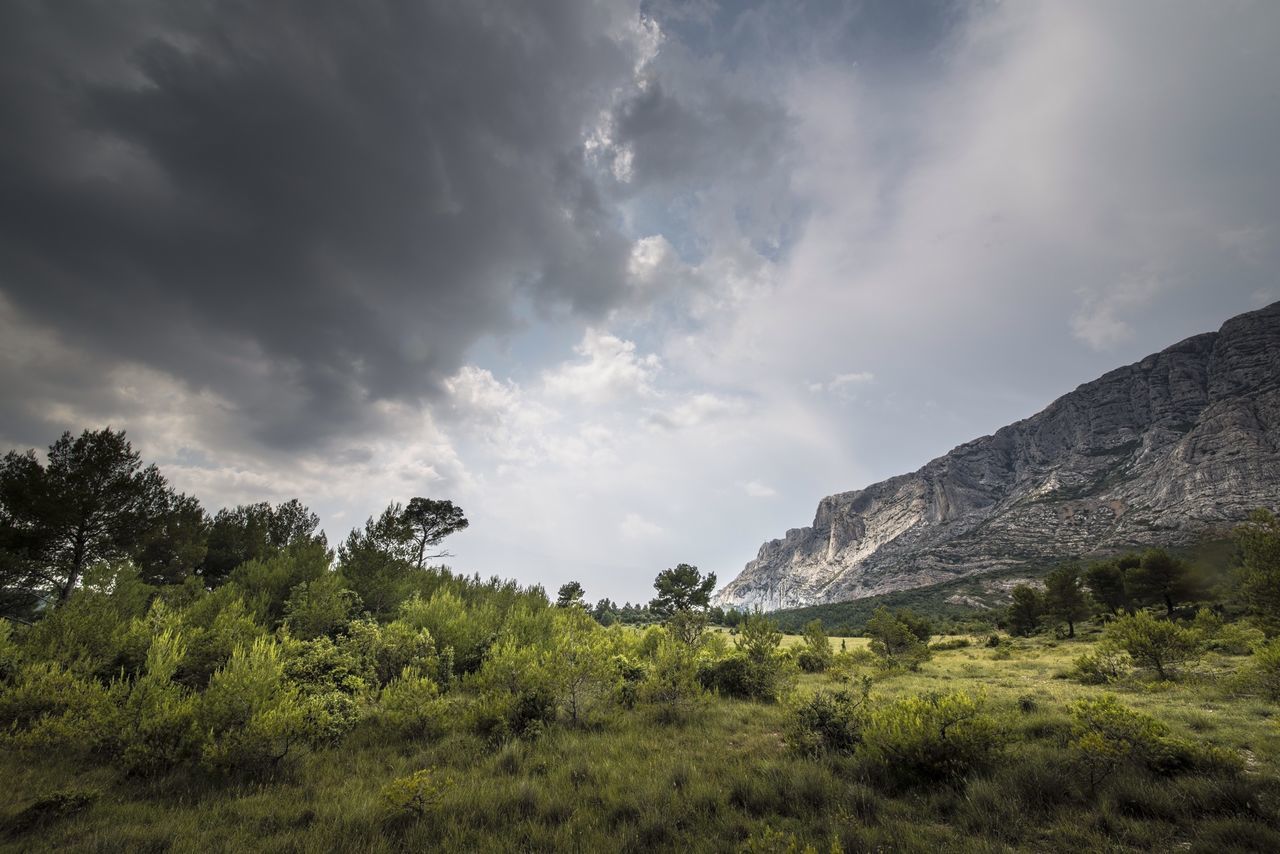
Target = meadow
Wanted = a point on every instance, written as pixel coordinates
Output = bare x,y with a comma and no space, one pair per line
723,778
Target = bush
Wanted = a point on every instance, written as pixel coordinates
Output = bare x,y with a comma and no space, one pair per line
46,705
320,607
150,725
897,639
253,717
411,706
1107,663
827,723
1263,673
516,692
1109,735
933,737
815,656
10,655
671,687
1161,645
416,794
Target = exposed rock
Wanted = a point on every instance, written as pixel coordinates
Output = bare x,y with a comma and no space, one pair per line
1186,440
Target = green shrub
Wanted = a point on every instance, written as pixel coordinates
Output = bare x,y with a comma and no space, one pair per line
950,643
469,632
322,607
897,639
254,719
928,738
1105,664
412,706
213,626
827,723
1109,736
1161,645
671,687
415,795
10,654
46,705
516,692
1263,672
149,724
815,656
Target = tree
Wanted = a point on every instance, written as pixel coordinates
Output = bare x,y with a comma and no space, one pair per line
893,639
1258,544
1025,610
1106,581
816,655
1159,644
1064,596
571,595
91,501
256,532
682,588
176,544
1160,578
428,522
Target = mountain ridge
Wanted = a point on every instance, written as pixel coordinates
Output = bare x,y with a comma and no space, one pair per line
1184,441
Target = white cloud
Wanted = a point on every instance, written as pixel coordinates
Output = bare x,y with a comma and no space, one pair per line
756,489
636,527
1101,320
609,368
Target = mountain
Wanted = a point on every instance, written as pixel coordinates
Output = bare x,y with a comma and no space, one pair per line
1159,452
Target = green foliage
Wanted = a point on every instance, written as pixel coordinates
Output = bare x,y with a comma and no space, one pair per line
92,501
255,532
1106,581
930,738
571,595
1162,578
682,588
415,795
671,688
252,716
1025,611
468,632
1161,645
150,723
1107,663
895,638
1108,734
816,655
320,607
46,705
1264,670
267,582
411,706
1065,598
1258,543
828,723
10,652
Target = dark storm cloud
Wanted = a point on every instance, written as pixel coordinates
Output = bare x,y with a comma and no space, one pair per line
304,206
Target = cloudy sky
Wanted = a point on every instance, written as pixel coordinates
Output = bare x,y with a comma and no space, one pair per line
633,283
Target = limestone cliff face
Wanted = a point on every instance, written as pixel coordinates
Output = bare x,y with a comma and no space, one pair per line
1185,441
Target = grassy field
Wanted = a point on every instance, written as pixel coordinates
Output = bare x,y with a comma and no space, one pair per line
723,780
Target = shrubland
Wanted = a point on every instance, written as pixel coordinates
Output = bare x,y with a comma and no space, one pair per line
285,697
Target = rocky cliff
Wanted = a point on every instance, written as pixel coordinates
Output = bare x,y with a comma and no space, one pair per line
1184,441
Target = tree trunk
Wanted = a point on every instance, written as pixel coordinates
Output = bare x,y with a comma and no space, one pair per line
1071,628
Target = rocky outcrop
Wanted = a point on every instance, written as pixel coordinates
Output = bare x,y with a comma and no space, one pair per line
1158,452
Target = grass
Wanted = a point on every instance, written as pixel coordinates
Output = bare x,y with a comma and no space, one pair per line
720,781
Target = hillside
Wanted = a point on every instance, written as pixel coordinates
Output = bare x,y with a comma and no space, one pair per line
1184,442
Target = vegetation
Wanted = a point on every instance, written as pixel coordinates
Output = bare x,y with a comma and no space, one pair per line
364,700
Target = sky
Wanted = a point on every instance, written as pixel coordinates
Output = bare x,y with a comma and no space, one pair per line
633,283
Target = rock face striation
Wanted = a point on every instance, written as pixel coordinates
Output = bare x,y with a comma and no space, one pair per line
1158,452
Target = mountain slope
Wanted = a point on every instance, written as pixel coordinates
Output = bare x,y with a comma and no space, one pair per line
1186,440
